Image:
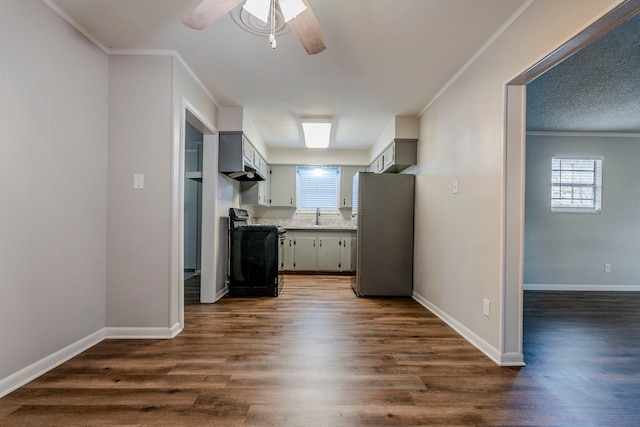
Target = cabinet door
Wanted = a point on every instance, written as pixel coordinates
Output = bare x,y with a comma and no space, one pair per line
305,254
254,193
263,192
286,261
346,185
354,252
329,253
283,186
389,156
345,254
264,167
247,151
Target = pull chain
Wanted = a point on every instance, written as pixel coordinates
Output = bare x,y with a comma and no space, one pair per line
272,36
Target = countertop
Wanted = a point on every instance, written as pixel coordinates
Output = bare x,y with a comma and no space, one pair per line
319,228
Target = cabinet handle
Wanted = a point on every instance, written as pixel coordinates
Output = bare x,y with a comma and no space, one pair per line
320,243
291,202
339,242
289,243
344,202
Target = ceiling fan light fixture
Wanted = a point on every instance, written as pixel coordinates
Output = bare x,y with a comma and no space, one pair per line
291,8
317,131
258,8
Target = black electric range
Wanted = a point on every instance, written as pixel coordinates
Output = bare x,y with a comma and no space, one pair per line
253,256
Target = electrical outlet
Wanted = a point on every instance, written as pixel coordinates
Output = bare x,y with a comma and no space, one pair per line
607,268
486,307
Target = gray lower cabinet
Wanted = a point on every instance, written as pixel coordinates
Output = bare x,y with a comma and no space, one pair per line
305,254
330,251
286,254
348,253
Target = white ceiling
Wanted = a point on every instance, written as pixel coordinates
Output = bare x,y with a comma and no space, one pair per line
383,58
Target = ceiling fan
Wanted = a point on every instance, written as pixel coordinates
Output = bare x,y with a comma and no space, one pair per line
297,14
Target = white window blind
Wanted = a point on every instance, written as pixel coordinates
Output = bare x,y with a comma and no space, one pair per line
576,185
318,187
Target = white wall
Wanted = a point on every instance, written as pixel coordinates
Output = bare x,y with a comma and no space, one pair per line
459,257
313,157
570,250
53,116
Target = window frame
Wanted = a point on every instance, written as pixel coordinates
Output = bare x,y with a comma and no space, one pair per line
312,209
597,185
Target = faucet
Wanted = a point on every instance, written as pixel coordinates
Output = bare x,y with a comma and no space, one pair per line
317,216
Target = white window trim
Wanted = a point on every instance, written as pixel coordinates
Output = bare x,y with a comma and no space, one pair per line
597,194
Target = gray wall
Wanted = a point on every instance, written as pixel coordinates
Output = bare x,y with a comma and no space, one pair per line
140,113
53,167
81,249
459,257
570,250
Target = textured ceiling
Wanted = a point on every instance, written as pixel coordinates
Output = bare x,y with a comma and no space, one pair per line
595,90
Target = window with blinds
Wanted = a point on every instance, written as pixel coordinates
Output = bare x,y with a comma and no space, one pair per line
317,187
576,185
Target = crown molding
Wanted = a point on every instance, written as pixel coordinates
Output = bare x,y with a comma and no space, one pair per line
140,52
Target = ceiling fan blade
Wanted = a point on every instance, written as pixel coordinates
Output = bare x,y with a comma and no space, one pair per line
208,11
306,28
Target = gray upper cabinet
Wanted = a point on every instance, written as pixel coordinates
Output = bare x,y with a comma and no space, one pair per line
399,155
256,193
283,186
237,158
346,185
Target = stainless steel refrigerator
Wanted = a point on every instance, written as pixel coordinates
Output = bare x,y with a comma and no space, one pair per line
384,209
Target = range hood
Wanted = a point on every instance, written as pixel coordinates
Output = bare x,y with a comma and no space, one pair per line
238,159
249,174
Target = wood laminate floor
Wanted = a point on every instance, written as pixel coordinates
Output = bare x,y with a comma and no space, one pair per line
319,356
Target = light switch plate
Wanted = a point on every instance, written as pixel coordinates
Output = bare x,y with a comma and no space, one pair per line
138,181
486,307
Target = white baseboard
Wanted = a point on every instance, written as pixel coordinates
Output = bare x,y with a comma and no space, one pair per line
44,365
512,359
506,359
142,333
568,287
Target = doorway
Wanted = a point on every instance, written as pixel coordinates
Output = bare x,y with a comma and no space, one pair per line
199,247
515,137
192,213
